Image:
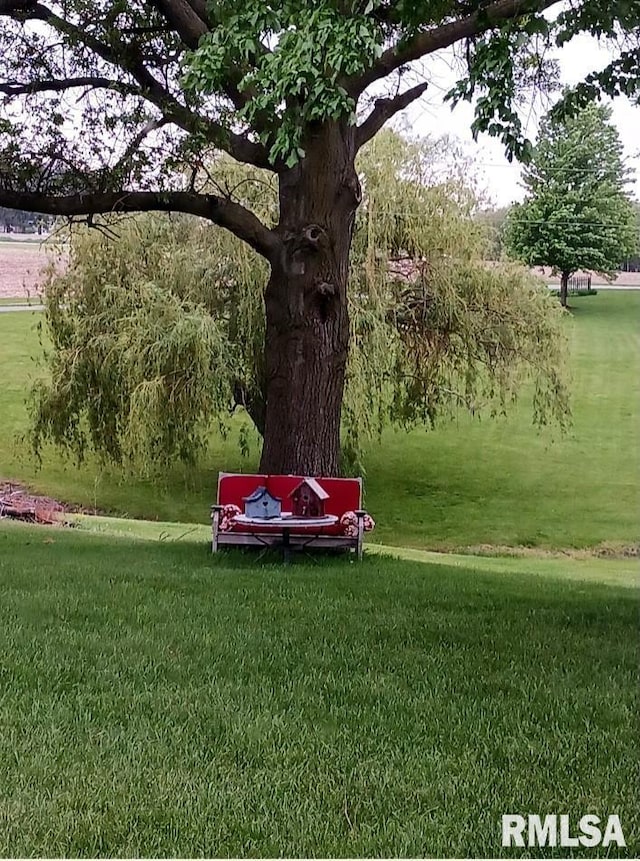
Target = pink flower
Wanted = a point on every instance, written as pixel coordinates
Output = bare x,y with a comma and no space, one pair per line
349,523
349,518
227,517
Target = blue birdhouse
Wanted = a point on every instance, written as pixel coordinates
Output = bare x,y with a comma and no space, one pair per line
262,505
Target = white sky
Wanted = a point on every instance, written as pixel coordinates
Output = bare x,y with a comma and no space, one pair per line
429,116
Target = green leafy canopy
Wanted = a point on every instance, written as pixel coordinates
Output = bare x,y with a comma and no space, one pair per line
297,61
294,58
106,95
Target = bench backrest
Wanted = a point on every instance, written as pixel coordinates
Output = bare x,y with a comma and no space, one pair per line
345,494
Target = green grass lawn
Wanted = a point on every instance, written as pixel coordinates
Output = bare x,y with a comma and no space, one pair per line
157,701
465,484
20,300
583,566
500,482
8,244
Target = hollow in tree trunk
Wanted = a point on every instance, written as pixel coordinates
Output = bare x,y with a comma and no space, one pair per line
307,321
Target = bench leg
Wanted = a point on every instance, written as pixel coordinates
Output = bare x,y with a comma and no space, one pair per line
360,534
286,546
215,523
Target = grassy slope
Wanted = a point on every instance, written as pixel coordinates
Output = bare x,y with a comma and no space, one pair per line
587,568
502,483
464,484
158,702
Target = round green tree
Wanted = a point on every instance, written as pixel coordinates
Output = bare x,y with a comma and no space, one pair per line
576,214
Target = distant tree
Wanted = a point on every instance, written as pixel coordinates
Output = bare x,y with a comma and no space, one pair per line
577,214
12,219
493,223
632,263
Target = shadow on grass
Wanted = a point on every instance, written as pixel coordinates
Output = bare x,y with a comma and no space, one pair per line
161,701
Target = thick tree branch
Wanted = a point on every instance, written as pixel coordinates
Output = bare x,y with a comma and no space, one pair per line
129,60
200,8
191,26
183,18
221,211
437,38
27,88
383,110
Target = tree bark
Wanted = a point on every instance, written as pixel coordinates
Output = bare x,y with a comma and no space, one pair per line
307,320
564,288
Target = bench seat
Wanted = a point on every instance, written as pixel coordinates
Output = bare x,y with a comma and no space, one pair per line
344,496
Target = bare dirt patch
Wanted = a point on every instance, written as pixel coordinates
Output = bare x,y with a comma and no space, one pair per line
21,266
608,550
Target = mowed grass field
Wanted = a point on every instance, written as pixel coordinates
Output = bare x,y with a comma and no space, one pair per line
503,483
468,483
157,701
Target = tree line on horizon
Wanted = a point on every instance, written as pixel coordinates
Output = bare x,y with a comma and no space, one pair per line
18,221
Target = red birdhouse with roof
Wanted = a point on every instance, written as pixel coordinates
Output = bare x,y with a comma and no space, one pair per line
308,498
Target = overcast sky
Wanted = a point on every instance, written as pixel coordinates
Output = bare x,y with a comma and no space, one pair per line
579,57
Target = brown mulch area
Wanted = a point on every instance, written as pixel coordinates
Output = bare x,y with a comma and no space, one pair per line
18,504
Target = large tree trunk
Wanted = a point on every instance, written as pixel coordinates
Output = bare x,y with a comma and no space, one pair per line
307,321
564,288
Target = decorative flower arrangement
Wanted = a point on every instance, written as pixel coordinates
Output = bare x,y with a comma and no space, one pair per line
369,523
228,516
349,523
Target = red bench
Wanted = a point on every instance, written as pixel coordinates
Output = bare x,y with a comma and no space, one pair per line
342,525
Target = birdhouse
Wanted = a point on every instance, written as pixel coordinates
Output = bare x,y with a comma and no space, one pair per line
307,500
261,504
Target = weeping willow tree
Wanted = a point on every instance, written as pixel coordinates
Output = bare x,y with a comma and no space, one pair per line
157,325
